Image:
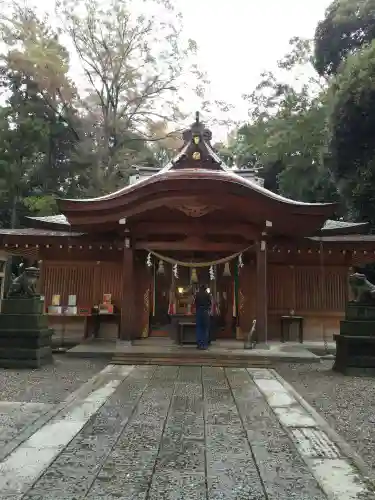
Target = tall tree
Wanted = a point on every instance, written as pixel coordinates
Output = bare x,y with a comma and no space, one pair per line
287,131
33,49
346,27
352,130
133,64
35,84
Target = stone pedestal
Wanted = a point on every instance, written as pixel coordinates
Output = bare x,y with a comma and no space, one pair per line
25,339
355,345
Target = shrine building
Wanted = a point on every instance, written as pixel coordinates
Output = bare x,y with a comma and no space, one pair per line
135,257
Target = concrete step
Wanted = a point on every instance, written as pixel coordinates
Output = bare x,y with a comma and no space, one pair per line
198,360
154,341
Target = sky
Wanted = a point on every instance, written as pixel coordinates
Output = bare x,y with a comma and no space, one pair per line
237,40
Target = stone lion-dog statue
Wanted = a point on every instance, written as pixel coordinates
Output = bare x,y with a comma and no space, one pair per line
363,291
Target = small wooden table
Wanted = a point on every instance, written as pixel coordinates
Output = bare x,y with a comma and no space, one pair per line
186,332
287,322
99,318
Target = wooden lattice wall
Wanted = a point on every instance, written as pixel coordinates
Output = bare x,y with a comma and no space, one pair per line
290,288
317,295
307,288
88,281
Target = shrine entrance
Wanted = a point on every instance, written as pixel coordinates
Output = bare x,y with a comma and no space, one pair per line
174,286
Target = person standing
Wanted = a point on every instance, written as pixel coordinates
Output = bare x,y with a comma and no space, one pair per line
202,302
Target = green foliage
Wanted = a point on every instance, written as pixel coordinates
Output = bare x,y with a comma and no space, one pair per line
286,137
345,51
133,64
352,132
41,205
56,142
347,26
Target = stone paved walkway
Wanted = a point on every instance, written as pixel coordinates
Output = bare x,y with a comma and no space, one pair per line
193,433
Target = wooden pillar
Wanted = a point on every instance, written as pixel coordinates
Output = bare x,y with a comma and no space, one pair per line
292,277
128,307
262,292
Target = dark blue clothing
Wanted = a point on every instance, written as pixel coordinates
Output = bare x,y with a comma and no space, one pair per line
203,307
202,325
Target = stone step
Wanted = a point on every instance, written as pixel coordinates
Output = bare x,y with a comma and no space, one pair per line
217,360
154,341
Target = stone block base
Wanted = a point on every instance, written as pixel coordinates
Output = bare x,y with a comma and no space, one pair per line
19,305
355,355
361,328
25,339
25,363
25,348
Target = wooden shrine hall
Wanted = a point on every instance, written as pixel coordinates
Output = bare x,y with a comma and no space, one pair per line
126,265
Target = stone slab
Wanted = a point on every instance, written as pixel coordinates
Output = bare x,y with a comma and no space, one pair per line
323,458
178,486
142,353
23,466
339,479
183,432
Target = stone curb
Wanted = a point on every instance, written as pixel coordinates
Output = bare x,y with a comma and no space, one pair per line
90,355
340,442
141,358
83,391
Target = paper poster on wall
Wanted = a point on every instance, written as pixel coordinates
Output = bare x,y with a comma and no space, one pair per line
107,298
56,299
72,300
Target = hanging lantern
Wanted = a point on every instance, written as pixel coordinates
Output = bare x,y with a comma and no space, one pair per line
175,271
240,261
212,273
227,270
161,267
194,276
149,260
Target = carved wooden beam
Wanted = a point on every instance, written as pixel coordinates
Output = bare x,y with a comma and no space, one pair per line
143,229
194,244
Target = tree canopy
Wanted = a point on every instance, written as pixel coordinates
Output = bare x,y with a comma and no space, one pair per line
312,140
345,49
352,131
89,97
286,135
81,136
347,26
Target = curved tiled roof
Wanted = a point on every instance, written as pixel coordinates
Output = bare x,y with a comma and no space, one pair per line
196,173
330,225
196,142
52,219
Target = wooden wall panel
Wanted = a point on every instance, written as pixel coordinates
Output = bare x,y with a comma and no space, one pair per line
108,279
247,297
280,284
321,290
89,281
319,297
68,279
308,288
336,289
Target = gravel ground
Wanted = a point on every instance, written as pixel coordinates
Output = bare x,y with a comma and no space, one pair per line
347,403
51,384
